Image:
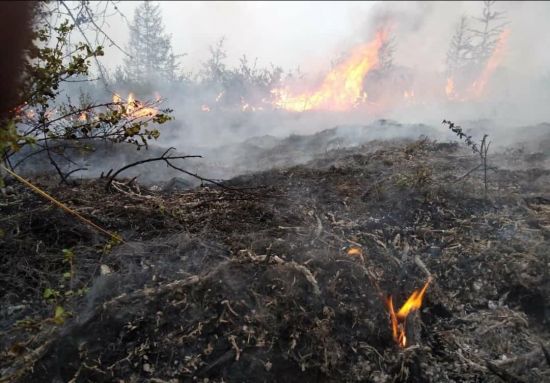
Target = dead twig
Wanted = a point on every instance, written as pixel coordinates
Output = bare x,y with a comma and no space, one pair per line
422,266
530,358
308,275
506,376
468,173
233,341
163,157
61,205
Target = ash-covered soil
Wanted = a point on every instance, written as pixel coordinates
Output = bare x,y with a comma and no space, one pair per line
254,283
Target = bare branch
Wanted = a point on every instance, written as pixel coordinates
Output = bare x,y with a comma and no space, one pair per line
163,157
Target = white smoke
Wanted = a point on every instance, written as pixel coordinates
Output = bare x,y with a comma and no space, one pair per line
312,35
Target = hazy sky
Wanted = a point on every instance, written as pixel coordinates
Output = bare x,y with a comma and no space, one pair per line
284,33
311,34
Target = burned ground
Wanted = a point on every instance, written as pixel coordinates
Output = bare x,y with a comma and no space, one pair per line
256,284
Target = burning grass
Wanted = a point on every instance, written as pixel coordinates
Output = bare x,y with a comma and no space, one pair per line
292,283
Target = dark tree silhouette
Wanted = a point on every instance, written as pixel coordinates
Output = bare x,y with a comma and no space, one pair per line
492,24
461,48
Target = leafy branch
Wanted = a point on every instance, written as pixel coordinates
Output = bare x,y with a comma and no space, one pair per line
42,123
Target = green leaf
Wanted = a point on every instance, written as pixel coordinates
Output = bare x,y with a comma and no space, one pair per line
60,314
50,293
68,255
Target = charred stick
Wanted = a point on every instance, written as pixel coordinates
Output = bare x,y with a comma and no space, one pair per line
161,158
195,175
546,353
74,171
61,175
468,173
422,266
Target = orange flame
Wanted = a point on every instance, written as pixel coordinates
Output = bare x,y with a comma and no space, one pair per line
134,108
450,88
355,251
245,106
494,61
398,320
341,88
407,95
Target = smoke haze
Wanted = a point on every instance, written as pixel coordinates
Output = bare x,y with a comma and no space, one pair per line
313,36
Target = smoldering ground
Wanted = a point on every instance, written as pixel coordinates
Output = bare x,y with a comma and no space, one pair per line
228,285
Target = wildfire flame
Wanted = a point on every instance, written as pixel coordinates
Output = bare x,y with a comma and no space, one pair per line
408,94
355,251
245,105
450,88
341,88
134,108
398,320
477,88
494,61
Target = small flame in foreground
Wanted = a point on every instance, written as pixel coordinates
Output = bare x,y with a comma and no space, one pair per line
398,320
341,88
355,251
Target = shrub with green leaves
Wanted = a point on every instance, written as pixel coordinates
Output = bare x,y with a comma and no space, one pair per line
45,124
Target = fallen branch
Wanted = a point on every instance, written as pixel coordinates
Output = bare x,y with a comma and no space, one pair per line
167,159
163,157
468,173
61,205
74,171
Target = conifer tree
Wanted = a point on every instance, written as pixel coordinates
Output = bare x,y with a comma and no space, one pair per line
492,24
151,56
461,48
